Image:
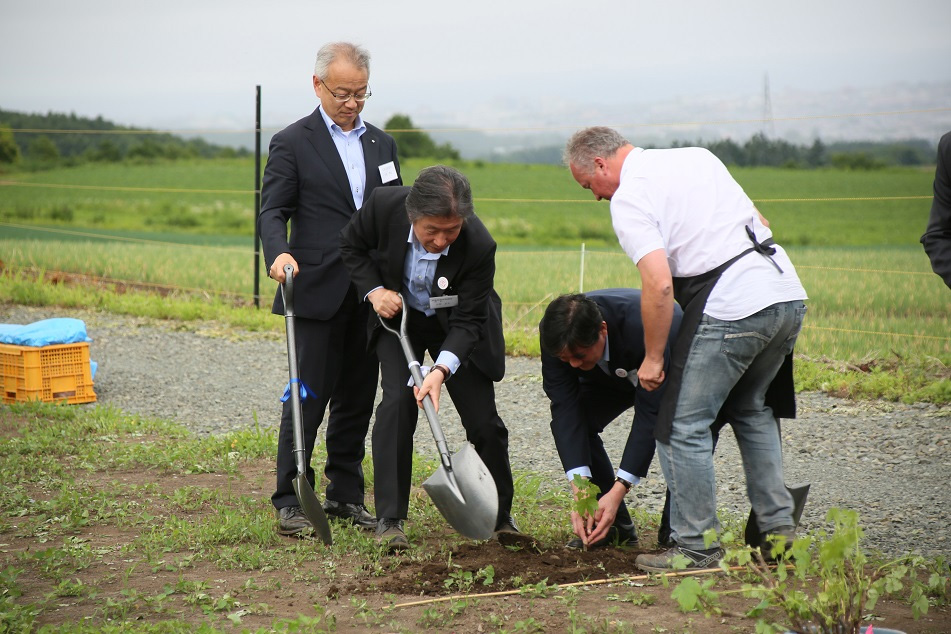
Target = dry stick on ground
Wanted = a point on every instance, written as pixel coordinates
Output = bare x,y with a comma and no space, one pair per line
679,573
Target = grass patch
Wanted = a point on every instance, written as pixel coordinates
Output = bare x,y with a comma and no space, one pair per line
124,544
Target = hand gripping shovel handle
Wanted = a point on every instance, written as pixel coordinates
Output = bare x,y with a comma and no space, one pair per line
462,488
428,406
311,506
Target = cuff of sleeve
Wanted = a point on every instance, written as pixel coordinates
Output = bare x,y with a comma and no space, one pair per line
365,297
449,360
630,477
584,472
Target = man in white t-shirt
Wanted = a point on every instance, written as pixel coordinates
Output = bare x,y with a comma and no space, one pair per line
696,237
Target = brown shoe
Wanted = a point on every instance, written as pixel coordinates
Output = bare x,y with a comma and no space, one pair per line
389,533
292,521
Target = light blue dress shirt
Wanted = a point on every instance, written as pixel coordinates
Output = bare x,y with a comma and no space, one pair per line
351,153
419,269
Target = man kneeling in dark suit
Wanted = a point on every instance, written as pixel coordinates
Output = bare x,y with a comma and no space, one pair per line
592,345
426,243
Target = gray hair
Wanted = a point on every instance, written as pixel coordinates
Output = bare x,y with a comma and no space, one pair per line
585,145
440,190
352,53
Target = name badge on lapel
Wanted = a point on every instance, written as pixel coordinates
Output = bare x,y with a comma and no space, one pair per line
445,301
388,172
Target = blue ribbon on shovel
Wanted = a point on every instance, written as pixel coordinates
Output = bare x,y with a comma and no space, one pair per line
304,390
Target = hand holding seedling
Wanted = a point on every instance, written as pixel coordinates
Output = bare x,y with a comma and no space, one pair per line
585,508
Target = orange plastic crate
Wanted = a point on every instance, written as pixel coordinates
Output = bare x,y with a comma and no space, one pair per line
47,373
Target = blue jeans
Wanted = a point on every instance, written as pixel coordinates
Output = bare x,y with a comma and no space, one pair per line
729,367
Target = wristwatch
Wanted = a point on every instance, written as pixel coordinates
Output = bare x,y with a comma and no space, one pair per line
627,485
445,371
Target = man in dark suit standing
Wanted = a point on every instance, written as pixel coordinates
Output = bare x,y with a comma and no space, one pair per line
592,345
426,244
319,170
937,238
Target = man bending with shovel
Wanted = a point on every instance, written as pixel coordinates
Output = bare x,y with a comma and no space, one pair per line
423,250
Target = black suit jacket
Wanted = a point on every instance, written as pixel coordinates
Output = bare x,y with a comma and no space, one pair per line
937,238
305,183
621,311
374,247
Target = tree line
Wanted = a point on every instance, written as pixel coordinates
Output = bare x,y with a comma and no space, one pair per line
23,142
762,151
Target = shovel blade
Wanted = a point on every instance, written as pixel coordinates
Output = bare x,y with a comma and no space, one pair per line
312,508
466,495
799,494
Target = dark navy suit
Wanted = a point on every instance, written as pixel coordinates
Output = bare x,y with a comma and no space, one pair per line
374,247
937,237
584,402
305,184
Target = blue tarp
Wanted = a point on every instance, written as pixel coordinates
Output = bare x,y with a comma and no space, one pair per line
47,332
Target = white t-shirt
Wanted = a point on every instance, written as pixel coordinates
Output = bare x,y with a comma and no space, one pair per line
684,201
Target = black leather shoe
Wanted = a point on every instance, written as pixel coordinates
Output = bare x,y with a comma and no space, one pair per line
356,514
778,539
618,535
292,521
389,533
664,539
507,526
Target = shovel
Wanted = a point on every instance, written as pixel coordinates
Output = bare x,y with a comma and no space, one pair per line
462,487
305,493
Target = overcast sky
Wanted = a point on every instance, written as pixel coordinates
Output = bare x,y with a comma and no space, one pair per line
479,63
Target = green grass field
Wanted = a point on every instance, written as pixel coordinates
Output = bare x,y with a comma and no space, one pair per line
853,237
527,205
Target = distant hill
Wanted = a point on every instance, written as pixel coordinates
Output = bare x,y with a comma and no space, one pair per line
81,138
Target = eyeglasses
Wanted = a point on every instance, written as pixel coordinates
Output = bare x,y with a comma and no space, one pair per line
344,98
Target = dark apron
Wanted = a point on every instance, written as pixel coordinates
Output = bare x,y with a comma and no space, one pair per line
692,293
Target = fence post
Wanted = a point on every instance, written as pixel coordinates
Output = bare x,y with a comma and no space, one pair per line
257,198
581,278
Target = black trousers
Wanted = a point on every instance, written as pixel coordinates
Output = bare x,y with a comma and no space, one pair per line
601,405
473,394
334,364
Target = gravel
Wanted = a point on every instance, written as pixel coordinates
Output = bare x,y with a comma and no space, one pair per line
889,461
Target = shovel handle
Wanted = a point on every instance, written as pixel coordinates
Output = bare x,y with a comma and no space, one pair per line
417,374
287,291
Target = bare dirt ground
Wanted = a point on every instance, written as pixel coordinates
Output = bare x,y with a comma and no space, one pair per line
418,590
